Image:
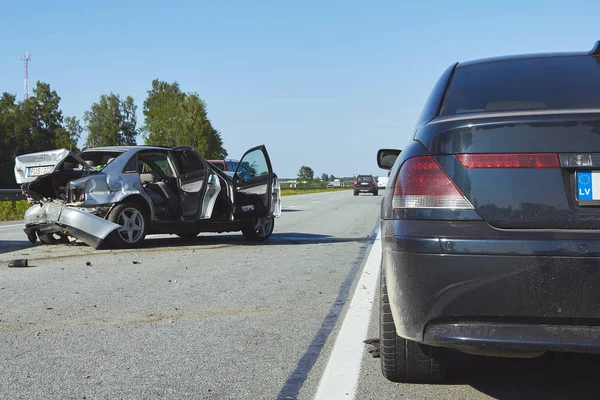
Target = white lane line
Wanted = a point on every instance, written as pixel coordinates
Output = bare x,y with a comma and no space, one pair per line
341,374
10,226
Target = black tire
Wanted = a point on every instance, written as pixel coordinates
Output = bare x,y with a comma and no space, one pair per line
134,233
53,238
188,235
376,193
356,193
258,229
403,360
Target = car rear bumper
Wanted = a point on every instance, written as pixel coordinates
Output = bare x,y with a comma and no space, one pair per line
365,189
470,286
54,217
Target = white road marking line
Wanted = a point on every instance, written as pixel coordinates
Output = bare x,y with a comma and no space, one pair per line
10,226
341,374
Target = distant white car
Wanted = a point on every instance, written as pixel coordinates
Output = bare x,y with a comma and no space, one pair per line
382,182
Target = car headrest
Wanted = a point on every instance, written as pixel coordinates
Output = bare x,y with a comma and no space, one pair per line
147,177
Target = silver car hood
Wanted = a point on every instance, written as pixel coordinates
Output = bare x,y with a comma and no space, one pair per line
46,162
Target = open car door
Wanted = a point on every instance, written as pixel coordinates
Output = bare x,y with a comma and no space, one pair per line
198,185
253,185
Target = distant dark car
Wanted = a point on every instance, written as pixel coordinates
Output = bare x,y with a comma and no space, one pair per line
365,184
491,234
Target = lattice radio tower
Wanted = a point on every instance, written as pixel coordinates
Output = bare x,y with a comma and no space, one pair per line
26,57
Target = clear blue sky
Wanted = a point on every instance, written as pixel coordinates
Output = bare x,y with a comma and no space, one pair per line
320,83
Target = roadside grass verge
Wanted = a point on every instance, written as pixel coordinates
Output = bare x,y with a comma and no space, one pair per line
289,192
13,210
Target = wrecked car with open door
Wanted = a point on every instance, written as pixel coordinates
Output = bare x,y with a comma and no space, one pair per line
117,195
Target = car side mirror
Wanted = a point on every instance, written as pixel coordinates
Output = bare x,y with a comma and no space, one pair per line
387,157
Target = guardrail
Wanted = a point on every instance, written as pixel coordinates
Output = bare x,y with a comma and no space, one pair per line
11,194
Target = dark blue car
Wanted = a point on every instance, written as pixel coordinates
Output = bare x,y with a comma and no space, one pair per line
491,234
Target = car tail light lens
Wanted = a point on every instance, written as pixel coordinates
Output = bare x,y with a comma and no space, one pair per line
530,160
421,183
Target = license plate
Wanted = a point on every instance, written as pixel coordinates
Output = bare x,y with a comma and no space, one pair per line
37,171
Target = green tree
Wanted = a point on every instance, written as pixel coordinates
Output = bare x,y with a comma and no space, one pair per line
161,110
44,117
69,135
9,114
325,178
111,122
33,125
306,173
174,118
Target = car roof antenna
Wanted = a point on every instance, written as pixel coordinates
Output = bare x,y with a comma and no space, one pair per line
596,50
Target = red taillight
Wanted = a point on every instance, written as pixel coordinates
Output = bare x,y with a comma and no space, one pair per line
373,181
530,160
421,183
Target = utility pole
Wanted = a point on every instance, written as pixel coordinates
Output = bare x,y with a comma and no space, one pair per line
26,57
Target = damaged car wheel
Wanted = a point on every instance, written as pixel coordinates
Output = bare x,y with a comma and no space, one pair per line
258,229
133,225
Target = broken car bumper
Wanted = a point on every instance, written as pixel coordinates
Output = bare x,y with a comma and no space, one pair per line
54,217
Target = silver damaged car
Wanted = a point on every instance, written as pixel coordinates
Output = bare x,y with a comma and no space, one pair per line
117,195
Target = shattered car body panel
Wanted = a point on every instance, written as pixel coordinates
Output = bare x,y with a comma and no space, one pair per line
57,217
103,190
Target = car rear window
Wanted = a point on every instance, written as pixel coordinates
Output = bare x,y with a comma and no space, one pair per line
546,83
97,160
364,179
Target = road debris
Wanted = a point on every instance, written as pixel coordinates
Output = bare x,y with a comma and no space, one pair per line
373,347
18,263
88,263
136,262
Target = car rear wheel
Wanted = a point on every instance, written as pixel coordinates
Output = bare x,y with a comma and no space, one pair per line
376,193
404,360
356,193
258,229
132,222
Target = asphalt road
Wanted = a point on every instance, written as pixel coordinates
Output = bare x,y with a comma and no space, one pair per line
219,318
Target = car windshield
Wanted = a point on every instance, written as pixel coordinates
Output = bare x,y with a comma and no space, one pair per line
547,83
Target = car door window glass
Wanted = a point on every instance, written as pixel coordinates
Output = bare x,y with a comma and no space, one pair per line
188,161
252,165
131,166
165,167
157,163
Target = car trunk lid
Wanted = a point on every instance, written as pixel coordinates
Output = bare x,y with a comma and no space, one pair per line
29,167
523,170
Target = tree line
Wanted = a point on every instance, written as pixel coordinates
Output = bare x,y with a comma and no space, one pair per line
306,174
171,118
